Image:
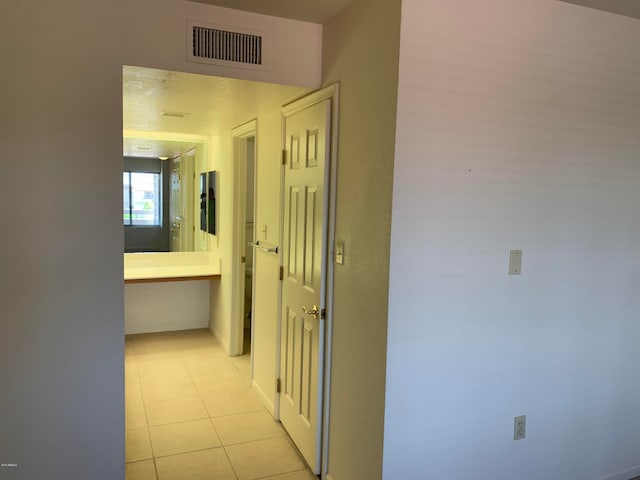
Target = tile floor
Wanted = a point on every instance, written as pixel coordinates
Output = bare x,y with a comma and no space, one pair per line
190,414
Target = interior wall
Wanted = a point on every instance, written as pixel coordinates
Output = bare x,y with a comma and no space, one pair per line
361,53
166,306
62,402
268,171
268,147
266,265
517,129
220,159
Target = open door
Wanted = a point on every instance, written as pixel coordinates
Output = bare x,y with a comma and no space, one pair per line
304,260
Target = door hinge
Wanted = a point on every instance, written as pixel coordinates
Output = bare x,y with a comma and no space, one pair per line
281,273
278,385
243,259
323,314
193,229
284,157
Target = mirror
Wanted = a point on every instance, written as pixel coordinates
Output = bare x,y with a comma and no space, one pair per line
208,202
145,205
161,194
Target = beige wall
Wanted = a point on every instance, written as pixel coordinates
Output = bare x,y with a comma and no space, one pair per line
220,159
361,53
61,303
267,289
267,112
517,129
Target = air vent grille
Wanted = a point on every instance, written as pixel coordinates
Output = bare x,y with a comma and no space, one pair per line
226,46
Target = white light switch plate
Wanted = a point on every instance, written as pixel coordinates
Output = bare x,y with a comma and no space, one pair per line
339,253
515,262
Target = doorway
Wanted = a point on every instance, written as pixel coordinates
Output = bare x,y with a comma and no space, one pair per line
244,157
233,298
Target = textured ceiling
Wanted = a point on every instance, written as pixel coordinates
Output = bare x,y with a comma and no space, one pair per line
316,11
209,105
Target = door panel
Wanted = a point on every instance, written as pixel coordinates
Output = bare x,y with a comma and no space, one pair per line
304,254
292,234
310,268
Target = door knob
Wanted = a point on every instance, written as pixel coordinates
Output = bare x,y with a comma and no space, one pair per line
314,311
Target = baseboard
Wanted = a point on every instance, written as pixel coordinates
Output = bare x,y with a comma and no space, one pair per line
223,343
264,398
628,474
163,327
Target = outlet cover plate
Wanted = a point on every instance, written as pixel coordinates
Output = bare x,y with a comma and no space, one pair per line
519,427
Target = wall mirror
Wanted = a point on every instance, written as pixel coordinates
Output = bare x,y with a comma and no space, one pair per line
162,188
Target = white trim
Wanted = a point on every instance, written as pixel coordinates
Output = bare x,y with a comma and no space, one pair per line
268,402
624,475
219,338
327,93
169,136
167,327
331,238
239,210
245,130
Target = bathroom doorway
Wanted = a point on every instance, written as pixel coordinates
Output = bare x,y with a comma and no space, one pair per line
245,180
249,237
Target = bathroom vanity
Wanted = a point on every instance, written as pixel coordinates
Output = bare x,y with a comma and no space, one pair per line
168,291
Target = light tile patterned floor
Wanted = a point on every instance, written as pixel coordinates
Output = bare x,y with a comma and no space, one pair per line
191,414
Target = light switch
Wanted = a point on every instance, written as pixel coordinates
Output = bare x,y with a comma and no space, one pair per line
515,262
340,253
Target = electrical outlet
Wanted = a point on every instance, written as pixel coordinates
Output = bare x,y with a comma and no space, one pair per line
519,427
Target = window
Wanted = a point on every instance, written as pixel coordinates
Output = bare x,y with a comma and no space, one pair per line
141,198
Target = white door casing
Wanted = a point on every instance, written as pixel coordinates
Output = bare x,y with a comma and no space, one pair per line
304,259
175,208
240,136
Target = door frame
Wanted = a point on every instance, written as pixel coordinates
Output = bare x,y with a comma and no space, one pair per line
331,93
239,211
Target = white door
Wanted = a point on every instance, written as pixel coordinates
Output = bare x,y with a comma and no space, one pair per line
175,208
304,276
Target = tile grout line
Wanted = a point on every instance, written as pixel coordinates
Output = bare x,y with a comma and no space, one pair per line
183,353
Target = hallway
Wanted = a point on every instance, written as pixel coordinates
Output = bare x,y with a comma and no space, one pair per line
190,414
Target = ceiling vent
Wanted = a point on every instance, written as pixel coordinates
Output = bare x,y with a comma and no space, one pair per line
224,46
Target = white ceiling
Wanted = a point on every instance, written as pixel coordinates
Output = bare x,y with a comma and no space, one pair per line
211,106
316,11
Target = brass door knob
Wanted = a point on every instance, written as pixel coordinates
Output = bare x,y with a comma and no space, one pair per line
314,311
